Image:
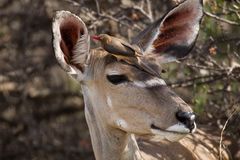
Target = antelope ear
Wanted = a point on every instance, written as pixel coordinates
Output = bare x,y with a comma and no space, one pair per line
172,37
71,42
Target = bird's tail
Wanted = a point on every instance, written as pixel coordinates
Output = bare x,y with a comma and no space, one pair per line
145,67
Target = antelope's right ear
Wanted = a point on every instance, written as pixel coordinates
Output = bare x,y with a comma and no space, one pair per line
71,43
172,37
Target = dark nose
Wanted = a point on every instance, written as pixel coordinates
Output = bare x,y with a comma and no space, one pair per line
187,118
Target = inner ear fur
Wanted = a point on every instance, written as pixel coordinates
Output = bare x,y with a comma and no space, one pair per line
179,29
71,30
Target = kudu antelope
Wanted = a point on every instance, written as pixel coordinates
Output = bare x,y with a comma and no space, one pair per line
122,102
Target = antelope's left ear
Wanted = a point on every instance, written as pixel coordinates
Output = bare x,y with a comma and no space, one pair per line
71,43
172,37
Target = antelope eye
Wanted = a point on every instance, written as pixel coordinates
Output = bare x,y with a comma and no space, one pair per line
117,79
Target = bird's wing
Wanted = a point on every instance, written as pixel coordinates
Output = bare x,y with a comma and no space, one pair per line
135,50
120,47
174,34
131,50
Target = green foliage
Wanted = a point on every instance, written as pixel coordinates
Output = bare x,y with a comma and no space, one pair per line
200,98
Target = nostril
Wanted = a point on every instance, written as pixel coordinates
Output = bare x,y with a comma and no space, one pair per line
187,118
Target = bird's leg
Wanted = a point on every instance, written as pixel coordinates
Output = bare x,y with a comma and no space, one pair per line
119,58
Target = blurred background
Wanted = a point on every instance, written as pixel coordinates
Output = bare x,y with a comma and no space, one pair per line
41,107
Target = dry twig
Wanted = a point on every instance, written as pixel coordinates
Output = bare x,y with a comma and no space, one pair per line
204,67
224,127
198,80
73,2
221,19
98,7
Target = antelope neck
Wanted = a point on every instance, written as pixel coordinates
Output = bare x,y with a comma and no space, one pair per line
108,143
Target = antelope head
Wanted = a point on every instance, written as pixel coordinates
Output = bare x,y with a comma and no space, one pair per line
121,97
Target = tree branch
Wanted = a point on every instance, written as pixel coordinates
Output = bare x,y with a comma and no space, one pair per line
220,18
224,127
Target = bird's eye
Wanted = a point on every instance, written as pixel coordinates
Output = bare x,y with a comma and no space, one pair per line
117,79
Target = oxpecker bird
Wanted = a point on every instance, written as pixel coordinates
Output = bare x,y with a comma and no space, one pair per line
122,50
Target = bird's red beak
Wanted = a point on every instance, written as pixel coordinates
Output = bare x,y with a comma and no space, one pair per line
96,38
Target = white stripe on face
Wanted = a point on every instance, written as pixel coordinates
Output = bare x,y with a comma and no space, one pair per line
140,84
155,82
150,83
113,72
109,101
